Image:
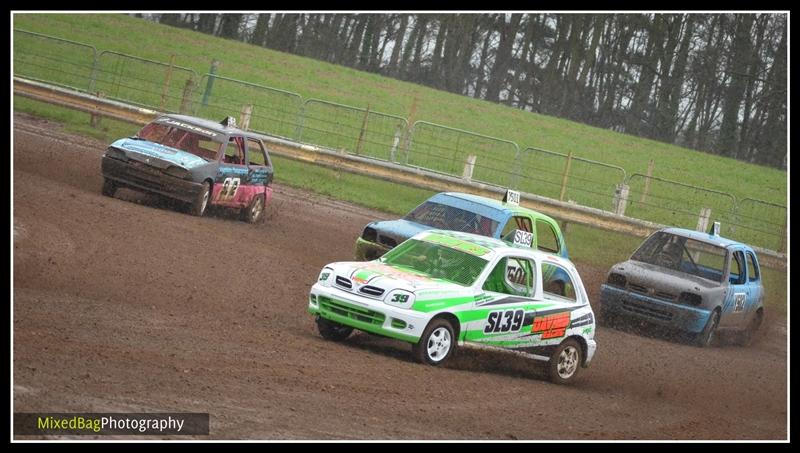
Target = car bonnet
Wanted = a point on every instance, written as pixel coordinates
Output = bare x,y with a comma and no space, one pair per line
163,152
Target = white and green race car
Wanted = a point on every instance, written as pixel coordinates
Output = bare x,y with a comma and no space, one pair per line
444,289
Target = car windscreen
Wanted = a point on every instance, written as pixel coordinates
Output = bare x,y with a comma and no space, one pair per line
684,255
436,261
444,217
182,137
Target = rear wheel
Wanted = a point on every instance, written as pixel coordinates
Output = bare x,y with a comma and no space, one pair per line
200,202
255,212
706,337
565,362
333,331
437,343
746,336
109,187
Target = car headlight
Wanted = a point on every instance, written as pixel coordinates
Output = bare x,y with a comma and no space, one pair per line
690,298
615,279
370,234
177,172
115,153
400,298
326,277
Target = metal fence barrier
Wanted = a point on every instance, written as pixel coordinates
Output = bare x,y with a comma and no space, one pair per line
566,177
674,203
760,222
141,81
461,153
54,60
274,111
351,129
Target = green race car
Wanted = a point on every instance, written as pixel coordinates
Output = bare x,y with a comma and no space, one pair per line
443,289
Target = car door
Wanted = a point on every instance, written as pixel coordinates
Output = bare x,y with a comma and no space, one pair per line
506,305
557,315
754,286
232,175
736,301
259,170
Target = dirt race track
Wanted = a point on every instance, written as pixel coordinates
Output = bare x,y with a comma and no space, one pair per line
122,305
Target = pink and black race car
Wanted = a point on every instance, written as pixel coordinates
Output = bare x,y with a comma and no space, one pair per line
196,161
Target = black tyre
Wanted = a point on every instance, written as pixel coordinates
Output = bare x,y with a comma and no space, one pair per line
745,338
333,331
706,337
109,187
200,203
255,212
437,343
565,362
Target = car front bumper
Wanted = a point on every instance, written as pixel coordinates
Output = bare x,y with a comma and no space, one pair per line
149,179
617,301
367,314
368,250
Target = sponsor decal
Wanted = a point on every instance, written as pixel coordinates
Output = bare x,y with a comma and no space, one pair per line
188,126
551,326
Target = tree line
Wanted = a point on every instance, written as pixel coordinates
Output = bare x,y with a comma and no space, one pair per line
711,82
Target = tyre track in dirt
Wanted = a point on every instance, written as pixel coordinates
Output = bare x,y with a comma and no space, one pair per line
124,304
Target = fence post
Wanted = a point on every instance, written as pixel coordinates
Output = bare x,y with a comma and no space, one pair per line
397,136
469,166
646,190
565,177
94,119
93,75
412,113
167,80
244,116
363,131
211,73
621,198
186,98
702,221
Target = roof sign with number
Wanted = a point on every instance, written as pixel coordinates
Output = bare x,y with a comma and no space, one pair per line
511,197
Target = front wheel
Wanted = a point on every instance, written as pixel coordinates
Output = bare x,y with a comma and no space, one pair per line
705,338
200,202
109,187
333,331
565,362
437,343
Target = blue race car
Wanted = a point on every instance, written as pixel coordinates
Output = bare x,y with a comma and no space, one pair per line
690,281
467,213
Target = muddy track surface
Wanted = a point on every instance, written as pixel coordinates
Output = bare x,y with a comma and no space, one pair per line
124,305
